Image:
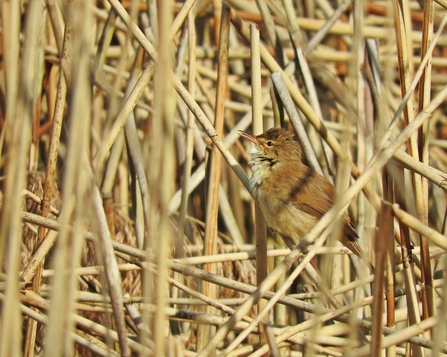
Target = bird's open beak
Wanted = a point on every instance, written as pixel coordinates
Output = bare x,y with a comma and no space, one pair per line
247,136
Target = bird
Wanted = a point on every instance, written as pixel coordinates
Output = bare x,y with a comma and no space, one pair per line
292,196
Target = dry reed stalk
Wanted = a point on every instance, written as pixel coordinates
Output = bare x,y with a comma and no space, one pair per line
266,285
192,38
92,344
161,156
424,98
260,230
214,169
48,194
20,100
381,253
295,121
350,89
406,69
189,143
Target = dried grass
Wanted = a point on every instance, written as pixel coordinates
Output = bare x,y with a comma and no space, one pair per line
126,225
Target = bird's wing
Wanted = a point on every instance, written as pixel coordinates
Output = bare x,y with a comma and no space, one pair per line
311,194
315,197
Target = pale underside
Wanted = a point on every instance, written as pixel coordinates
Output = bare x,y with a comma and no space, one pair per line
287,220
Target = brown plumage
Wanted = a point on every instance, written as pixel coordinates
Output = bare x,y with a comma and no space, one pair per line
292,196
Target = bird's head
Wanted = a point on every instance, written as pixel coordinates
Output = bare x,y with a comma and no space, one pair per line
272,146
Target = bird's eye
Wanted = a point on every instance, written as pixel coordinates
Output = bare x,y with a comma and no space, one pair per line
269,143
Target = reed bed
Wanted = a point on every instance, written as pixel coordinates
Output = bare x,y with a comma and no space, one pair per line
126,224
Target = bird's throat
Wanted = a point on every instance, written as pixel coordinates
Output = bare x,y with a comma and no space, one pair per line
261,172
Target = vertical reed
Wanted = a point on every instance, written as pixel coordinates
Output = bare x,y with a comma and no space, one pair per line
126,223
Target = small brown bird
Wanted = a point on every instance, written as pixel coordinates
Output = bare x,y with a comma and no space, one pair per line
292,196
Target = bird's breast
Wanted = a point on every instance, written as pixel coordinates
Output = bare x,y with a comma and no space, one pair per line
281,215
261,173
